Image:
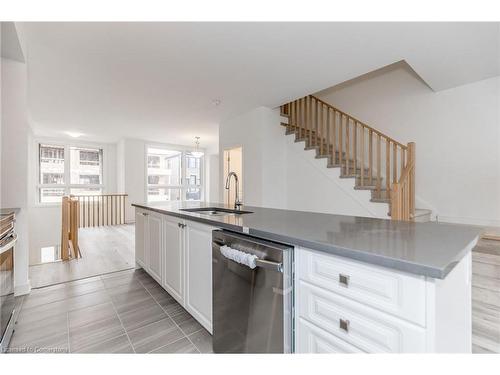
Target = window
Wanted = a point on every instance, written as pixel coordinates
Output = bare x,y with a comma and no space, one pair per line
173,175
68,170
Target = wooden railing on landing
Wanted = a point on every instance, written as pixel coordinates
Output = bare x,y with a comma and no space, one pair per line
377,161
100,210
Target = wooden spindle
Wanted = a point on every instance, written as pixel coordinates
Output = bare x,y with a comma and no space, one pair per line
362,164
355,146
394,163
322,129
302,114
334,137
328,132
303,131
316,123
370,156
347,147
388,167
341,142
379,164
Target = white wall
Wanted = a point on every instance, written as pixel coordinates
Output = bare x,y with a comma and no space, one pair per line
131,157
258,133
14,170
212,177
457,135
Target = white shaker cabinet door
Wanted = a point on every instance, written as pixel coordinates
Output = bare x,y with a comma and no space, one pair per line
199,272
140,230
155,246
173,258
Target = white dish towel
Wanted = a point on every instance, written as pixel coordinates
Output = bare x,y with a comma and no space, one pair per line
239,256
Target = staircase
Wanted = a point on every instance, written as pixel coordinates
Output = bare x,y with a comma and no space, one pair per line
377,162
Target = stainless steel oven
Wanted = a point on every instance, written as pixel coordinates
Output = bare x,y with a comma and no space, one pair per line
252,294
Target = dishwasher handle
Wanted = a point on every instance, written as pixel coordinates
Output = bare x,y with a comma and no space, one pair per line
262,263
276,266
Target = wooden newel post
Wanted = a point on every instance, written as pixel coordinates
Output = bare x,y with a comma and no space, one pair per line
411,157
65,228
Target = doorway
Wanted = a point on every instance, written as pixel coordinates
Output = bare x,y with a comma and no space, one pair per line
233,162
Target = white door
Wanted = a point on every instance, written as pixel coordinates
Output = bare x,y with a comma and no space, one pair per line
199,272
173,262
140,228
155,246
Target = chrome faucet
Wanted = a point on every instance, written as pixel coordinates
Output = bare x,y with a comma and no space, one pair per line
237,202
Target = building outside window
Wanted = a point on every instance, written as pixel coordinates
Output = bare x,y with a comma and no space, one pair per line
173,175
65,169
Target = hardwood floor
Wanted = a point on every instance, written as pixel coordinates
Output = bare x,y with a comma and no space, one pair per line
486,297
104,250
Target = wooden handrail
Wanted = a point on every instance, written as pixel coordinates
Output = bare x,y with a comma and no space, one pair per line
101,210
359,122
389,171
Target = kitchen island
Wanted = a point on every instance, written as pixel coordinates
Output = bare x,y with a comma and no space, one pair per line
360,284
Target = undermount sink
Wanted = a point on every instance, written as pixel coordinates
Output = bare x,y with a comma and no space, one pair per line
215,211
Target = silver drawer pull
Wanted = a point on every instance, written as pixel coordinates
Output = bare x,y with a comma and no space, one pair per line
343,280
344,325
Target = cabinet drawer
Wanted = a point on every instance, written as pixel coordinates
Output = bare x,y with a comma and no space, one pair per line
400,294
316,340
368,329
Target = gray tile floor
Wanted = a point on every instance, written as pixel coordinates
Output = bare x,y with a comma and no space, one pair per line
122,312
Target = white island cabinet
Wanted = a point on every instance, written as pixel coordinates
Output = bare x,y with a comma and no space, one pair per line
341,305
178,255
346,306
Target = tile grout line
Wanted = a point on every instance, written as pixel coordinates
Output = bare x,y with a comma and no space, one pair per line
165,311
118,316
67,330
173,342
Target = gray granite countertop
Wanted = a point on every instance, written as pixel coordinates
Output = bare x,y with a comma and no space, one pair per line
429,249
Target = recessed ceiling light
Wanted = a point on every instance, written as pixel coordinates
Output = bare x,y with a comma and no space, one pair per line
216,102
74,134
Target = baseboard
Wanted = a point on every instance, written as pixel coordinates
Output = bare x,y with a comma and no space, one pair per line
20,290
468,220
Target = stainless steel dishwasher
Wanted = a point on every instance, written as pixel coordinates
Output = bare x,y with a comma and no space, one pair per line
252,307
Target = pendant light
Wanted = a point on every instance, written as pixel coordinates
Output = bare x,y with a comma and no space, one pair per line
197,153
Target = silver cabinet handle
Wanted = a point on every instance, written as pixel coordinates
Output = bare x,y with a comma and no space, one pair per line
344,325
343,280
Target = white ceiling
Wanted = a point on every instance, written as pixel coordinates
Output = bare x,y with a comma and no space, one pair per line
157,81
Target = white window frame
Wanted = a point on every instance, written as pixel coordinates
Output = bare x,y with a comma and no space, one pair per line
67,186
183,186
